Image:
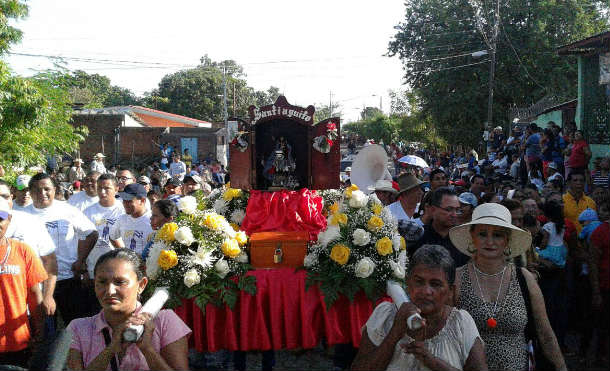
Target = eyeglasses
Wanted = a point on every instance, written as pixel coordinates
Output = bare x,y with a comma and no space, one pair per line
123,178
452,210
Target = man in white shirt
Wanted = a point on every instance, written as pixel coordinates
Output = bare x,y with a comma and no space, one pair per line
177,169
104,214
500,163
73,236
133,228
28,229
409,197
88,195
21,192
98,163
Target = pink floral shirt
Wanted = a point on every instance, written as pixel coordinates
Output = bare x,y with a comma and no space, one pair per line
88,339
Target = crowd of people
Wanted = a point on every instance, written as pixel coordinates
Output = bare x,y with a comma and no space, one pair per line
506,259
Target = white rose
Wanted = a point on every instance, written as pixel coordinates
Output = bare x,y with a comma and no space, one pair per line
220,206
188,205
222,268
238,216
184,235
358,200
310,260
152,261
228,229
361,237
364,268
191,278
396,242
242,258
332,233
397,270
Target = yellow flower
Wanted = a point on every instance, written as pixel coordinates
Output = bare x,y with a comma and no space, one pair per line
230,247
334,208
338,218
213,221
384,246
374,224
376,208
234,226
350,189
241,238
231,193
403,243
167,259
340,254
166,233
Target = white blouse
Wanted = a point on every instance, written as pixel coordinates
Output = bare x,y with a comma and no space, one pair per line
452,344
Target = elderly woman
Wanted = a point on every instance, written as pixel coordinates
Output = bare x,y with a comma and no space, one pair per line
449,339
97,342
505,301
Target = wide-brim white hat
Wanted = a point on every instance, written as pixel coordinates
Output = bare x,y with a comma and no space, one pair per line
491,214
383,185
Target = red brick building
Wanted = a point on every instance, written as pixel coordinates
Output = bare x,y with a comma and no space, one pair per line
130,135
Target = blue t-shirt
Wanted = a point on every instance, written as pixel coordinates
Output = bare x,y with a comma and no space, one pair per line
532,145
587,230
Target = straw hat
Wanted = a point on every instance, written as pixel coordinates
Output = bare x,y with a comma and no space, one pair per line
491,214
99,155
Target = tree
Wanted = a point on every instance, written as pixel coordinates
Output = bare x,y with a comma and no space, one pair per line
10,9
94,91
437,37
198,92
324,112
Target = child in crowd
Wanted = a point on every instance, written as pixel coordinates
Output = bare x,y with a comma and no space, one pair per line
588,218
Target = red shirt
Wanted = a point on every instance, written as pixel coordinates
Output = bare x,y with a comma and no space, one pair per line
601,239
577,155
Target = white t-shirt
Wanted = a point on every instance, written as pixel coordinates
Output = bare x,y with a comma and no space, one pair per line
98,166
177,170
133,231
82,201
20,208
104,218
555,239
31,231
399,213
66,225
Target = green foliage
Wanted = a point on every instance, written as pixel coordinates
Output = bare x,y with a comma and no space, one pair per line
324,112
10,9
437,35
95,91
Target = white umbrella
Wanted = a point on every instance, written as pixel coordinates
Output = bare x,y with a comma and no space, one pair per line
414,160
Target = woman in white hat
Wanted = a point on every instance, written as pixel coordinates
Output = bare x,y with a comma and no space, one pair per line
504,300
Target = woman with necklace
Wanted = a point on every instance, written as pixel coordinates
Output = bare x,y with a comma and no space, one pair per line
97,342
505,301
449,339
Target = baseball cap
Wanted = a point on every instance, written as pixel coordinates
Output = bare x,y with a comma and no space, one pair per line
174,182
133,190
144,179
468,198
22,182
588,215
5,210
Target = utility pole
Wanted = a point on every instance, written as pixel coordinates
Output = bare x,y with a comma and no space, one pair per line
234,101
226,114
492,66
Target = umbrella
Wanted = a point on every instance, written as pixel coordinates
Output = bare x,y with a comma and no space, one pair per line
413,160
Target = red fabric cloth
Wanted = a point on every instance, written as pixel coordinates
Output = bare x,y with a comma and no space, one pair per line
284,211
282,315
577,155
601,239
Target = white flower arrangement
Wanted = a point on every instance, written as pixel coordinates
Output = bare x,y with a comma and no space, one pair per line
360,249
187,205
230,203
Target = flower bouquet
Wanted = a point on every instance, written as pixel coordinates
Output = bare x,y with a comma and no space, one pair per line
323,143
360,249
199,256
230,203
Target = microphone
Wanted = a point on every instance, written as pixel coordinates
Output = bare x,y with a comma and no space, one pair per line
399,296
133,333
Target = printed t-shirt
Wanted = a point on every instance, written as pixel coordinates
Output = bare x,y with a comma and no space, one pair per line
133,231
18,274
88,339
31,231
601,239
103,218
82,201
66,226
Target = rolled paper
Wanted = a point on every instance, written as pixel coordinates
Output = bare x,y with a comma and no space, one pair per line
152,307
399,296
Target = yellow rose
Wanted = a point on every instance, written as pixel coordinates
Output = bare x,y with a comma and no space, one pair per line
403,243
338,218
376,208
230,247
374,224
166,233
334,208
241,238
167,259
350,189
384,246
340,254
213,221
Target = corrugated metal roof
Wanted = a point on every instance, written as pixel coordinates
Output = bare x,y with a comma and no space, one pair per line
148,116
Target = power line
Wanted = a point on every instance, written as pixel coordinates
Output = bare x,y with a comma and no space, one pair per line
453,68
443,58
519,59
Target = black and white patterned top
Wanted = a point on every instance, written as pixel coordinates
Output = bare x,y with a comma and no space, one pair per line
505,345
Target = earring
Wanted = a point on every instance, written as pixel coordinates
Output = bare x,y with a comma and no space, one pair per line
508,251
471,248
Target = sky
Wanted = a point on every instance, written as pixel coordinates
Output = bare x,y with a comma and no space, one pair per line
314,51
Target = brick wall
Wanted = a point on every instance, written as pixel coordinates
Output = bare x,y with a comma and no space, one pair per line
101,128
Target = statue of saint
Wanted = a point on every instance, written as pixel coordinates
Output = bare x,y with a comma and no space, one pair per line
280,167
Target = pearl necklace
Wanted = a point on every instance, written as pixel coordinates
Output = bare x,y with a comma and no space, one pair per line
491,321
